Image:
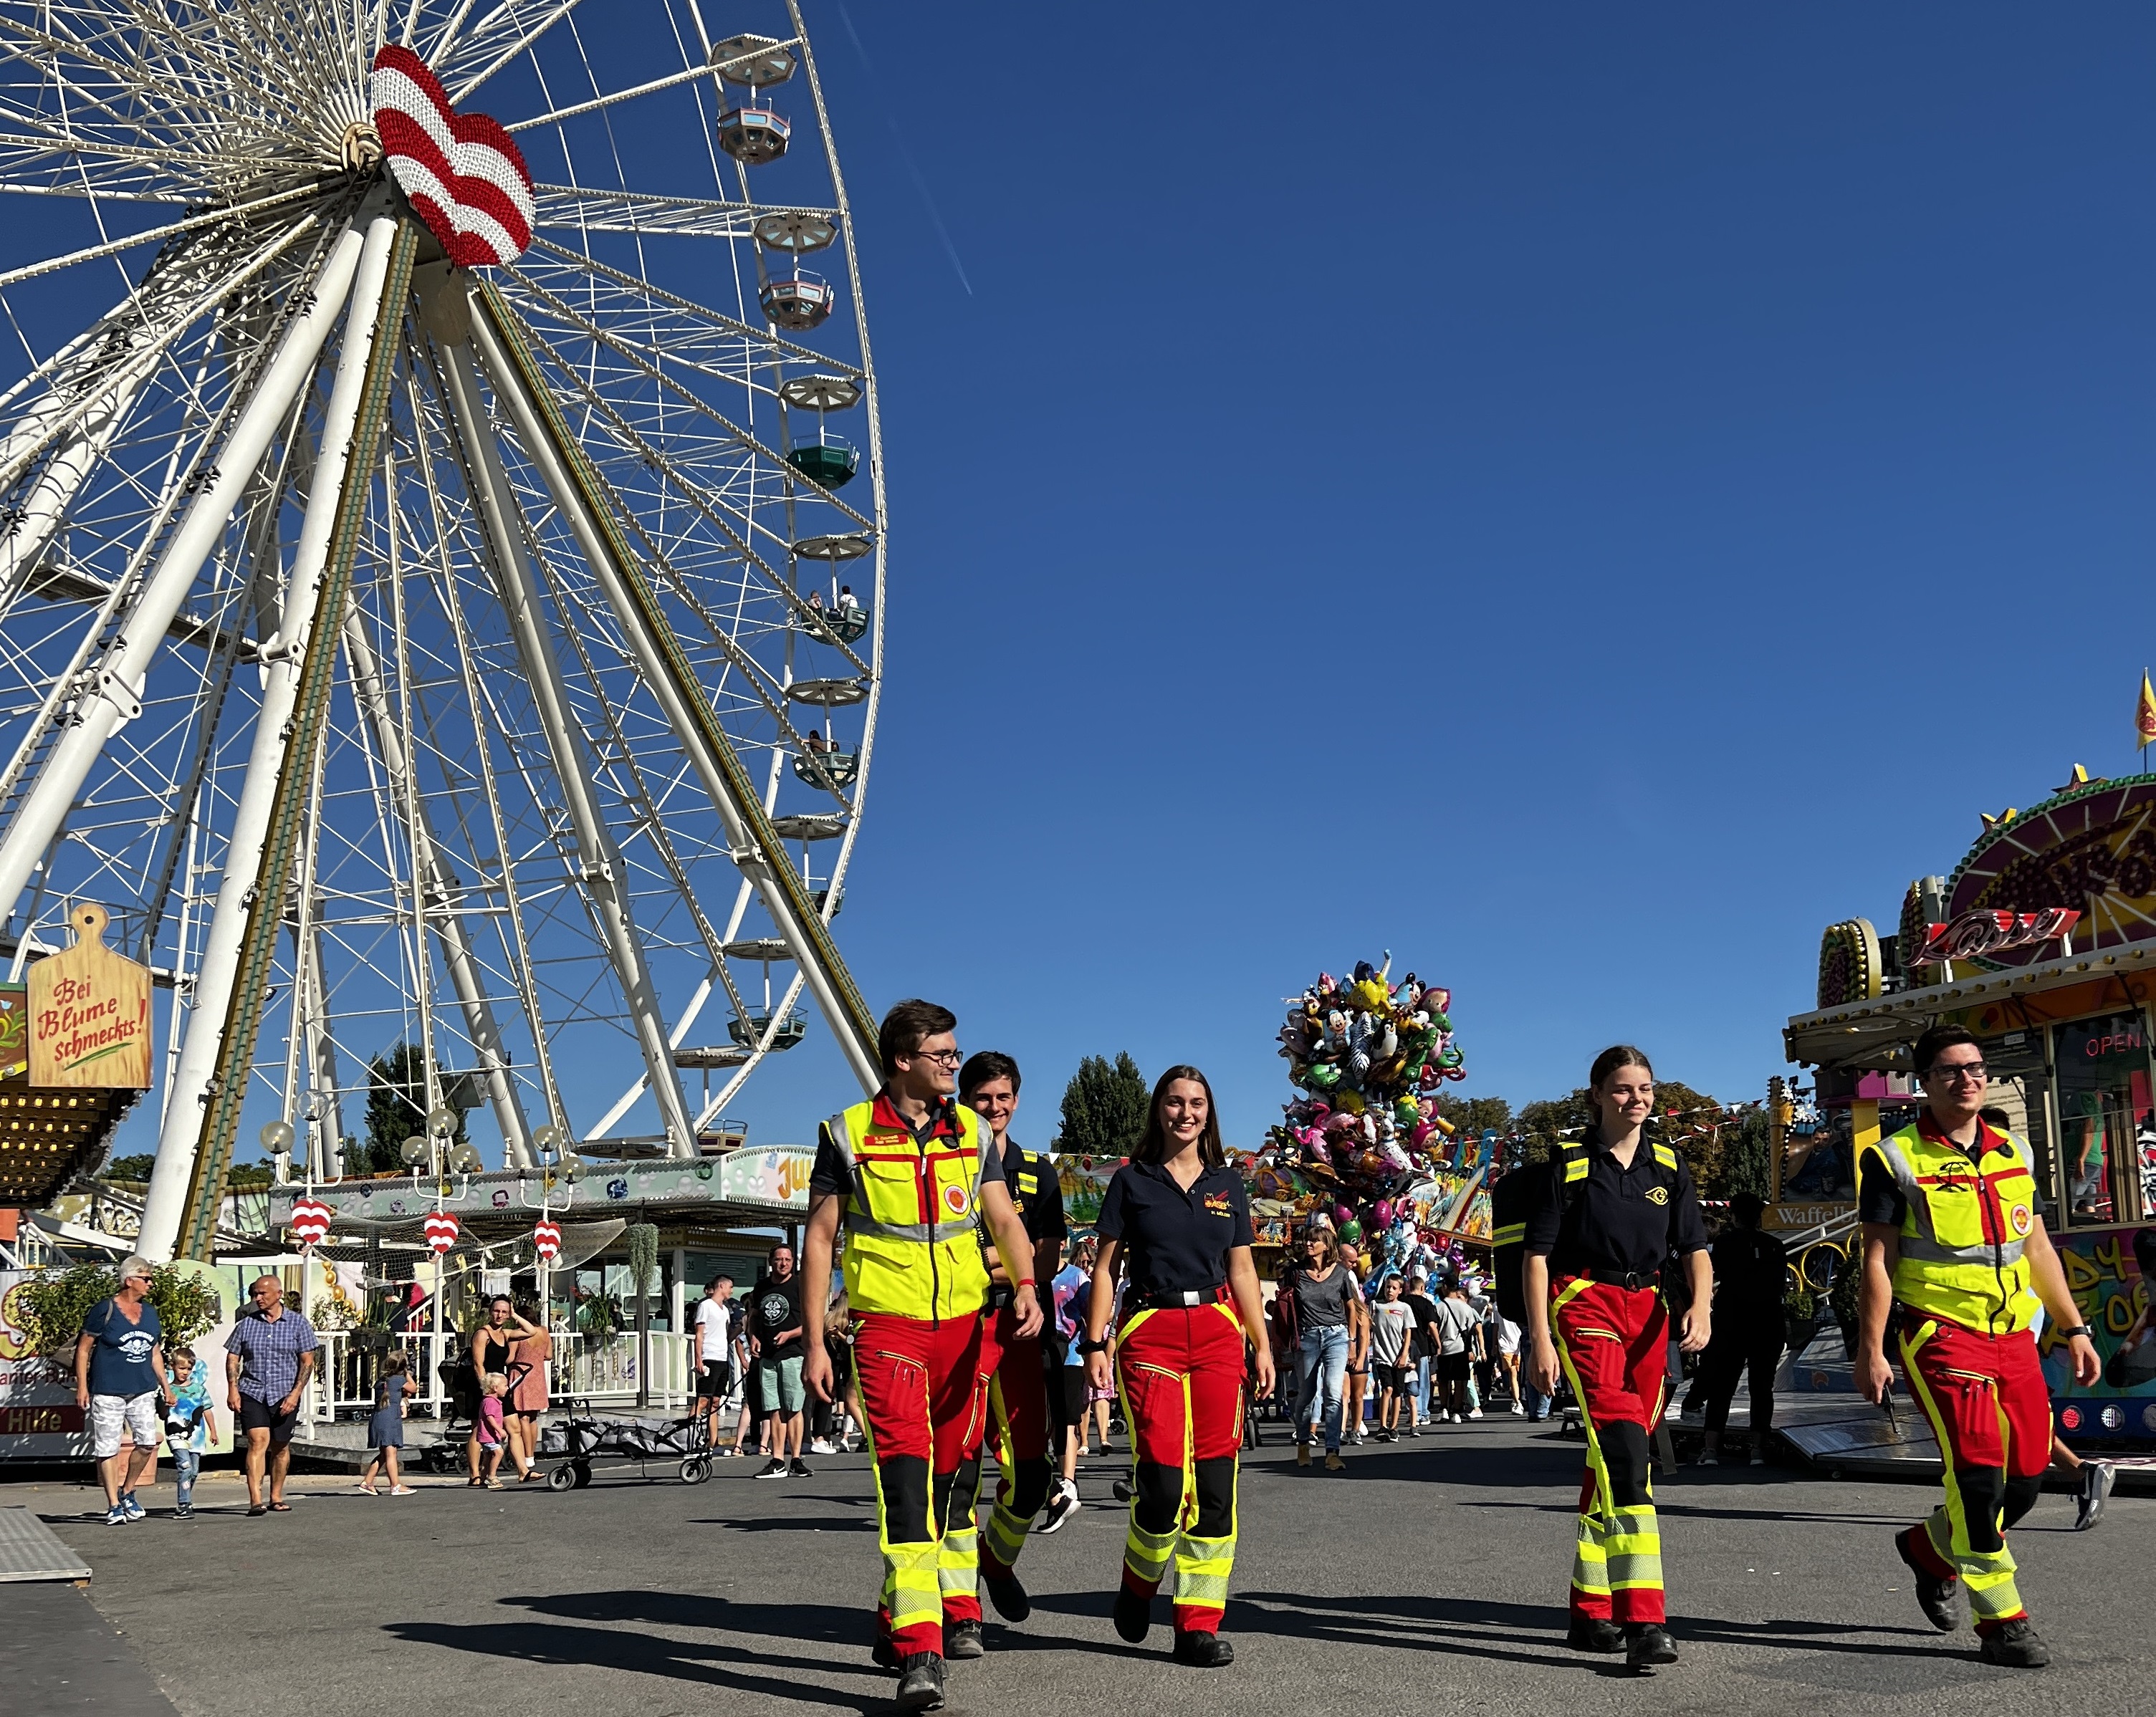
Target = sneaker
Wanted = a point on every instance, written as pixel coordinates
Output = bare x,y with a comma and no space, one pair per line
1475,1413
1414,1430
799,1469
184,1511
821,1445
1707,1458
1595,1633
1333,1464
1647,1643
116,1515
1204,1651
1940,1600
777,1469
1060,1508
2097,1477
921,1682
1006,1593
962,1639
1302,1454
1692,1410
1519,1412
133,1510
1133,1614
1122,1489
1384,1436
1757,1458
2013,1645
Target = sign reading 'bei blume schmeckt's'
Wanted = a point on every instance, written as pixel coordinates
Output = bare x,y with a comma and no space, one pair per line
89,1012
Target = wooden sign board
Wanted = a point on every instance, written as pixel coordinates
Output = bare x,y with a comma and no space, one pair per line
89,1012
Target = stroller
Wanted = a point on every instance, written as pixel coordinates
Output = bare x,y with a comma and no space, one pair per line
581,1440
461,1396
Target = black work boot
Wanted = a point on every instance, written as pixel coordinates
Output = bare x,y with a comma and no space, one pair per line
1647,1643
1133,1613
1940,1600
962,1639
1007,1595
921,1682
1204,1651
2013,1645
1594,1633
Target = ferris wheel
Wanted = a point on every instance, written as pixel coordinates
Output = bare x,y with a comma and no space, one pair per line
441,553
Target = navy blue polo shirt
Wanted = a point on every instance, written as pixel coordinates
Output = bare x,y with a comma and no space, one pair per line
1174,1242
1621,1221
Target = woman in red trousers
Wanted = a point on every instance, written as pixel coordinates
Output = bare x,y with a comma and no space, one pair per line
1176,1221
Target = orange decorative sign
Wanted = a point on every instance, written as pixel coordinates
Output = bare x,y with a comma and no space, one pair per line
89,1012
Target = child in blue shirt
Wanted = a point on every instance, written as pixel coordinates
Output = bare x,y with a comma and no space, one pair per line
190,1428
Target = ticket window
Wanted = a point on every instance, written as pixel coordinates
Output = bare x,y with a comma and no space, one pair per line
2105,1114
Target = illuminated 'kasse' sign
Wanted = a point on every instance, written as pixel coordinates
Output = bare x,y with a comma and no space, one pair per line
1975,935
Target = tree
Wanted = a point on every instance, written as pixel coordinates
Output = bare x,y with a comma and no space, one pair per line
396,1110
1553,1122
1747,1162
134,1171
1104,1108
50,1308
1474,1116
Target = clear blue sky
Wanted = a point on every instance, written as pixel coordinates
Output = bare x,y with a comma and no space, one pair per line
1584,496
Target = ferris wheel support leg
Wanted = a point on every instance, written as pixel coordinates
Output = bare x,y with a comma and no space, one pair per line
605,874
438,891
760,856
117,680
250,896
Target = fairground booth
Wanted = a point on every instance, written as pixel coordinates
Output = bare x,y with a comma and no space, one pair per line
2042,942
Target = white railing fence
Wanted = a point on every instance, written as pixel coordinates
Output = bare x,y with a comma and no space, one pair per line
600,1368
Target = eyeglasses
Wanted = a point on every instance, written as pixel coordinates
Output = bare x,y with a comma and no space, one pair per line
1966,1073
942,1058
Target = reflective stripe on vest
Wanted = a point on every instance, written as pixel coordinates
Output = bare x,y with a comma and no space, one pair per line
1976,1275
857,1219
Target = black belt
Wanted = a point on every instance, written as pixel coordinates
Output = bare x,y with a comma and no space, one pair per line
1171,1299
1623,1279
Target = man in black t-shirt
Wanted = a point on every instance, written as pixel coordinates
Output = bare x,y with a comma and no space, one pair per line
1749,1268
774,1337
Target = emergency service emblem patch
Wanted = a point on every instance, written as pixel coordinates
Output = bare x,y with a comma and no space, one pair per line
2022,1221
1658,1195
954,1200
1218,1204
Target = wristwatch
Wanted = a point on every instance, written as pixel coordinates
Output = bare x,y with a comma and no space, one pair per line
2078,1329
1086,1345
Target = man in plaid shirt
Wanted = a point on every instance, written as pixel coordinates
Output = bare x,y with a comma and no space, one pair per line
268,1359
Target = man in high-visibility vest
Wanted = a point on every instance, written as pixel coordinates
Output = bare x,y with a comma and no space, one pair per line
1956,1261
905,1174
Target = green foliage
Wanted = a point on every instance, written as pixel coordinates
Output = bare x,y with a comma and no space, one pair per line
1747,1163
643,1259
1475,1116
1550,1123
396,1110
51,1308
1558,1118
598,1314
249,1174
1104,1108
134,1171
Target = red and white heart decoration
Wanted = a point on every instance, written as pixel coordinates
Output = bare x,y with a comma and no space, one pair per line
464,173
547,1240
310,1221
441,1231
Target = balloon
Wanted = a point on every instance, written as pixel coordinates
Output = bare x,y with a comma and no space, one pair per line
1342,1216
1381,1212
1350,1229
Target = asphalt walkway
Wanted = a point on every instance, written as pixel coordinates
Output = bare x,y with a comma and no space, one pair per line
1428,1577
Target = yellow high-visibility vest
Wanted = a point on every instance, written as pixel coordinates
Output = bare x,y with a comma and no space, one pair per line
1964,1224
909,1215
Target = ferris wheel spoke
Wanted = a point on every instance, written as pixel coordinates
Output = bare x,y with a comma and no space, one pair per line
505,21
645,214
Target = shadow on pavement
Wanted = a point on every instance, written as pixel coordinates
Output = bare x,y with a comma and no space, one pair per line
1535,1634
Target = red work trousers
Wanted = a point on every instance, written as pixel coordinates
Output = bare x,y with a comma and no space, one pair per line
1612,1340
1988,1405
925,1387
1017,1407
1181,1368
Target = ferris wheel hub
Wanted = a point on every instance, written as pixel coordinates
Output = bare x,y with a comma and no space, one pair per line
362,147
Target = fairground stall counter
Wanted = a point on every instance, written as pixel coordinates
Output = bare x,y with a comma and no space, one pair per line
2043,944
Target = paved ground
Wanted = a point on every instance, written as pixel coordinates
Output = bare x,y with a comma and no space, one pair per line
1428,1577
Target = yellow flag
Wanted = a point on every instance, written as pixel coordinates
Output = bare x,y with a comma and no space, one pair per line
2145,714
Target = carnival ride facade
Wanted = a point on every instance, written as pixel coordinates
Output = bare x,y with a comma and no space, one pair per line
427,558
1365,1145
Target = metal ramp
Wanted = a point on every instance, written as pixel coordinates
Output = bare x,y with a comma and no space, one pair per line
30,1549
